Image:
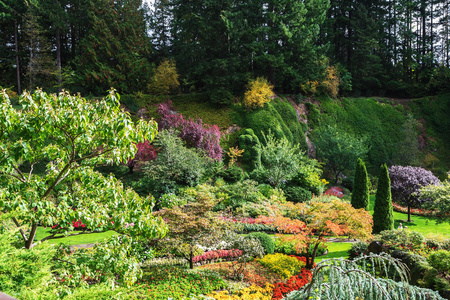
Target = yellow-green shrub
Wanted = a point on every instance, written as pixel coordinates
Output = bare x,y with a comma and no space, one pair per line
282,264
165,79
259,92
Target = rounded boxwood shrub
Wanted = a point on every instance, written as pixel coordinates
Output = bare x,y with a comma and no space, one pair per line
297,194
232,174
266,241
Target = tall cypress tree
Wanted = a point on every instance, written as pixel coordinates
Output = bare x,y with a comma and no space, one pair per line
360,194
383,217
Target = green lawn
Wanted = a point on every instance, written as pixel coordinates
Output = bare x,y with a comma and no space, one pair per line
424,225
335,250
75,240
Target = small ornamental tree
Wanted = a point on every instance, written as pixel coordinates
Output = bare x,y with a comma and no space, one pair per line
327,218
165,79
383,216
259,92
406,183
194,133
192,224
67,136
360,194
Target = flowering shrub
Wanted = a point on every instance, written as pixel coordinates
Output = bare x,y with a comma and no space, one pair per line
294,283
224,254
249,293
282,264
335,191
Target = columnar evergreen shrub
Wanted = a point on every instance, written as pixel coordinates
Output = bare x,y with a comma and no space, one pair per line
266,241
383,217
360,194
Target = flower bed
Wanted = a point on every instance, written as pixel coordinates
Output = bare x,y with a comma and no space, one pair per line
414,211
210,256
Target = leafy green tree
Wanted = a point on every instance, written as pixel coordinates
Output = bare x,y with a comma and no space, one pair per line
383,217
339,149
439,196
280,160
48,151
361,186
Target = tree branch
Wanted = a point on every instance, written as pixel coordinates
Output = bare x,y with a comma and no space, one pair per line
14,176
21,231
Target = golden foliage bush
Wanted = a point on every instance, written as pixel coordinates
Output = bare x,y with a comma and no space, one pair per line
259,92
330,85
165,80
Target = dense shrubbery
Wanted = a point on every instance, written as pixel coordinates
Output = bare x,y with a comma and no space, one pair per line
282,264
266,241
194,133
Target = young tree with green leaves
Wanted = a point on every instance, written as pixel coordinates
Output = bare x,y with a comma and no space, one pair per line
48,149
338,148
193,224
361,186
383,217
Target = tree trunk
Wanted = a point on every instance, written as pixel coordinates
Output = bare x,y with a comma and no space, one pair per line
58,58
16,47
409,213
29,242
191,259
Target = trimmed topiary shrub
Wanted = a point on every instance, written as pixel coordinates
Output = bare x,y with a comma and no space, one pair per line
297,194
383,216
266,241
289,115
360,194
232,174
248,142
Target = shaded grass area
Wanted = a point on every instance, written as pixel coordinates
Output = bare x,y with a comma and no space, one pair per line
335,250
88,238
423,225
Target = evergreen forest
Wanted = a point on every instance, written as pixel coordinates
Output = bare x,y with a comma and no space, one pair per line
225,149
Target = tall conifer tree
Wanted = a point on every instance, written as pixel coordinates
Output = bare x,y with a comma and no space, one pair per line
360,194
383,217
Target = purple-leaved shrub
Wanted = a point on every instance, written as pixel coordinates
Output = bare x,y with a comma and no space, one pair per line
193,132
406,183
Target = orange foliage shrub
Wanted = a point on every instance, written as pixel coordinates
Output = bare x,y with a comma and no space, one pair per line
259,92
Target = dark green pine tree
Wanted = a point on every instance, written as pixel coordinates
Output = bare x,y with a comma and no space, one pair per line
383,217
360,194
